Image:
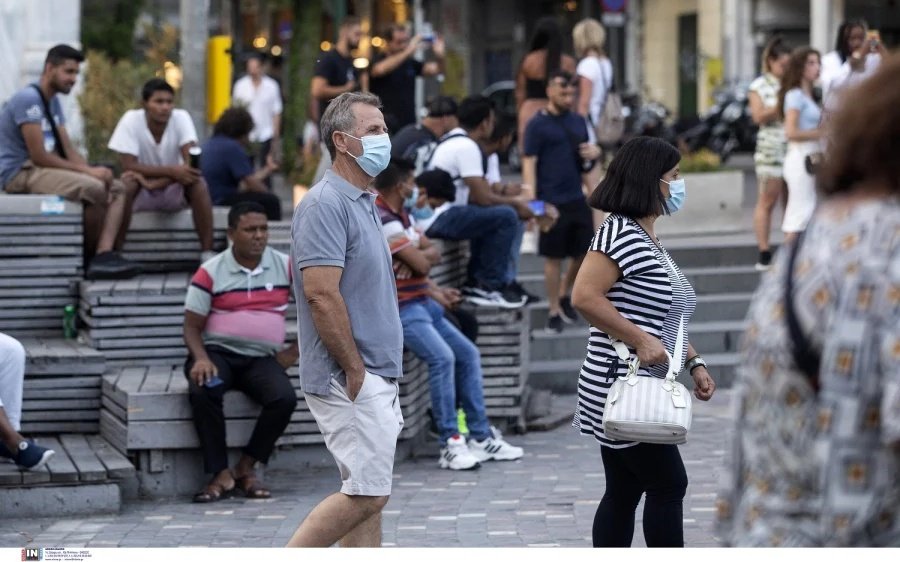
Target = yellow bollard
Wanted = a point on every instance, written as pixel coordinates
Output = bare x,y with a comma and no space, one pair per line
218,76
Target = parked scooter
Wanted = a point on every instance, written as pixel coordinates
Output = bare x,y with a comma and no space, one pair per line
726,128
651,119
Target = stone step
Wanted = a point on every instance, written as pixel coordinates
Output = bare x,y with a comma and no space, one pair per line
710,308
710,250
561,375
705,280
706,337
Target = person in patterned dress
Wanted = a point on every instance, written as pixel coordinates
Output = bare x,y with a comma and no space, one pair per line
770,143
630,289
816,450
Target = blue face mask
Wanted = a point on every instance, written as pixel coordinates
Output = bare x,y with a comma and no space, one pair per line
410,202
422,213
677,195
376,153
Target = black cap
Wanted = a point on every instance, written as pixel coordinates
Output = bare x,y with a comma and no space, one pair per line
442,106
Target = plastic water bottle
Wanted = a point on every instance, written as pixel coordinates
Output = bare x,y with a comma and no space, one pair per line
461,422
70,331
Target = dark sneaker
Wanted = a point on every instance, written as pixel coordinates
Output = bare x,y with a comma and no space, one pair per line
111,265
554,324
483,297
31,456
529,297
5,452
765,261
514,295
567,311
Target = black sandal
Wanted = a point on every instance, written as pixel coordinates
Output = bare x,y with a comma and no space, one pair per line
251,488
213,492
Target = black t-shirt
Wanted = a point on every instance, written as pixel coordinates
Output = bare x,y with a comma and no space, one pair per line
554,139
397,91
337,70
405,142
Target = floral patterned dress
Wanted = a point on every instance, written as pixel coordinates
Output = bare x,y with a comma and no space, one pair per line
822,469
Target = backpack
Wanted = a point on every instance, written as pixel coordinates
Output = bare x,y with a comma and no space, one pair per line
425,154
611,126
418,152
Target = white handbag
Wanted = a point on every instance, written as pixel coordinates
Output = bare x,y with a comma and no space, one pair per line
648,409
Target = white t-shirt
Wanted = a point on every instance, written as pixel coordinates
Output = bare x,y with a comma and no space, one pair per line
461,158
263,103
600,72
837,76
132,136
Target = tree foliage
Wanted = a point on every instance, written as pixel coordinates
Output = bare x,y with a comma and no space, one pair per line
306,29
108,26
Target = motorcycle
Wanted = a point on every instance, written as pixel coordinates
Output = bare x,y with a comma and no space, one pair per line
650,119
726,127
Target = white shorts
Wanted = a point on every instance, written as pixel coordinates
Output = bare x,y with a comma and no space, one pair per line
361,435
801,187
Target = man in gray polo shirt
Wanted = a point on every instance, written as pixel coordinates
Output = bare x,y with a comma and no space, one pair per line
351,340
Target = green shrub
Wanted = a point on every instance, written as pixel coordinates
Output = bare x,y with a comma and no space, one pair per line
704,160
110,89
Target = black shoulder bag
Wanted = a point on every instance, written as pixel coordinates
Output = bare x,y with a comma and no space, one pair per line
574,142
806,358
49,115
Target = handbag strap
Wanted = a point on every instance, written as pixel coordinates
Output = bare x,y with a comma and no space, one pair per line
49,115
634,363
607,85
806,357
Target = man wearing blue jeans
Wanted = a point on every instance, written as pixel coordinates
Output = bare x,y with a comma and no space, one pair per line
487,219
454,363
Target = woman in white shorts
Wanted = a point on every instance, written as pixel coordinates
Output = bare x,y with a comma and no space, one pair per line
802,117
770,143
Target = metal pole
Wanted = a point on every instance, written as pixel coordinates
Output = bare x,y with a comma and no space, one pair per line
194,34
418,20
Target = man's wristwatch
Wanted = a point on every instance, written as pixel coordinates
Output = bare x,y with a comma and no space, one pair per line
695,361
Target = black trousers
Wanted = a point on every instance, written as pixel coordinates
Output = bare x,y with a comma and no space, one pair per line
265,148
656,470
260,378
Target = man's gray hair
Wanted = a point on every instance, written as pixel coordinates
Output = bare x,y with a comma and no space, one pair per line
339,116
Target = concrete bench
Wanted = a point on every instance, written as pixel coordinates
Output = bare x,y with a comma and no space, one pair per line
147,416
61,393
86,476
40,263
168,242
61,410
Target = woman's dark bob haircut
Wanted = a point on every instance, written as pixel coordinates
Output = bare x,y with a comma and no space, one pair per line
631,185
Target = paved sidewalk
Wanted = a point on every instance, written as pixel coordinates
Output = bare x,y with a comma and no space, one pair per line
546,499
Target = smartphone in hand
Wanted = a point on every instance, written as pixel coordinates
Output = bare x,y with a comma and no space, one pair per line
873,36
537,207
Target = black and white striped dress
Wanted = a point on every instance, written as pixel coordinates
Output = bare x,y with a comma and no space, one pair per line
653,294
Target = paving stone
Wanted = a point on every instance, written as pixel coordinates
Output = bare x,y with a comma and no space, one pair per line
547,498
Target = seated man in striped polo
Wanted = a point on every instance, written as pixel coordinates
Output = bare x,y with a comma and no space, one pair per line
234,329
454,362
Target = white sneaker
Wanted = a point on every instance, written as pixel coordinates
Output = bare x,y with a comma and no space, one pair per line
494,448
456,455
482,297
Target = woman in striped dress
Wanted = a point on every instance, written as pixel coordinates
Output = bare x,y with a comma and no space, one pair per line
631,290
